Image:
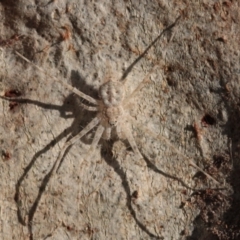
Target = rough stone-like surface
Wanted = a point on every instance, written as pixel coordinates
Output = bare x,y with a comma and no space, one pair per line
188,113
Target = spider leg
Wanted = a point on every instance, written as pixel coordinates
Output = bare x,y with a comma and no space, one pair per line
88,108
128,134
71,88
161,138
84,131
95,141
145,188
139,87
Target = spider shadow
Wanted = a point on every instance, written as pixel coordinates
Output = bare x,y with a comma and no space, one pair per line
69,109
112,162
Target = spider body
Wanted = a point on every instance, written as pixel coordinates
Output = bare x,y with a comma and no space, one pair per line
110,107
110,110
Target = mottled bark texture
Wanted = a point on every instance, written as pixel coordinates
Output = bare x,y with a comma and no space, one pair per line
188,113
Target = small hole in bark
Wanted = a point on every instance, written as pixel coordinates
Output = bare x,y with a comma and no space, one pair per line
218,161
208,120
135,194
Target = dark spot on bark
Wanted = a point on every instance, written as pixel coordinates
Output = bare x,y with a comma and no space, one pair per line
208,120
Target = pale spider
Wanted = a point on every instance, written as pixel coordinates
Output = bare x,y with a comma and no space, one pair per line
111,115
110,110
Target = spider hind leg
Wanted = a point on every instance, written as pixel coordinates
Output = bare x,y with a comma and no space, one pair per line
96,139
126,131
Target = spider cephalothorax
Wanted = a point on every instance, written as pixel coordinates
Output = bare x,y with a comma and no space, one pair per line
112,93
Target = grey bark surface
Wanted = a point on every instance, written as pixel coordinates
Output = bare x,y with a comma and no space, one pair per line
191,103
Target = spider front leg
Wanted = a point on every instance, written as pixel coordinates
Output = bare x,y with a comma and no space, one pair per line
140,86
69,87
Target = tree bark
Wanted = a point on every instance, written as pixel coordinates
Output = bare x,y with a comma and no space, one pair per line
186,115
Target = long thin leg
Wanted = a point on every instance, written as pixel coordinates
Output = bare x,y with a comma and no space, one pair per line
140,86
128,134
140,160
174,149
95,141
129,69
89,108
71,88
90,126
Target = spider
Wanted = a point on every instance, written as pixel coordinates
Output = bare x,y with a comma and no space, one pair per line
110,110
111,115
